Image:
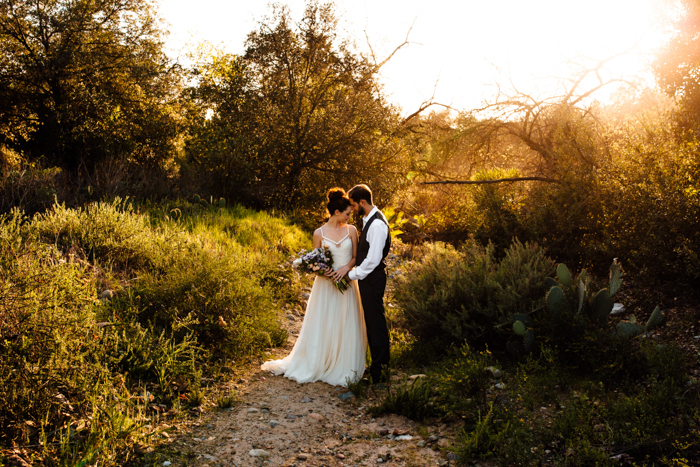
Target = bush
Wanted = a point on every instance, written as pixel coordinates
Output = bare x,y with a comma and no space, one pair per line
78,371
202,271
29,188
456,295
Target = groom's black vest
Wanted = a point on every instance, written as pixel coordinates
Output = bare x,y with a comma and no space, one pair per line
363,244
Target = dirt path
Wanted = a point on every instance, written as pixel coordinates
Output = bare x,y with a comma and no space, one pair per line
282,423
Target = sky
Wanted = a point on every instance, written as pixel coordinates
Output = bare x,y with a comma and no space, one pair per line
458,49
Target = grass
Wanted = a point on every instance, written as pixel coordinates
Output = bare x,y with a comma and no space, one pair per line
114,311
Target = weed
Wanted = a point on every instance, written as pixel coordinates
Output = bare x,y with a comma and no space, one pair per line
412,399
227,401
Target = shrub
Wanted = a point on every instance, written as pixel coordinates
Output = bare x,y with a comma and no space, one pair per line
455,295
29,188
79,373
198,272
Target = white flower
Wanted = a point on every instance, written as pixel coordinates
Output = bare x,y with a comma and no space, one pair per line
296,263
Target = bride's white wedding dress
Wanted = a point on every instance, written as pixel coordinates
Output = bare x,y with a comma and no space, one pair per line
332,343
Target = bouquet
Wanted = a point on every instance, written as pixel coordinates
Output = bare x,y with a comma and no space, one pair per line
318,261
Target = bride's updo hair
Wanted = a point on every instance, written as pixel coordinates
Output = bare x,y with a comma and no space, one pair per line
337,200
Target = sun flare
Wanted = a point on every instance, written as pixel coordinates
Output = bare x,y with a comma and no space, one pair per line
457,51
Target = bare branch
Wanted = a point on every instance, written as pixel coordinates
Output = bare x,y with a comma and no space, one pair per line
401,46
486,182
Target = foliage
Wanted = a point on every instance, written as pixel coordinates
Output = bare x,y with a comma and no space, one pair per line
300,111
28,188
110,314
84,81
462,294
676,64
547,415
411,399
496,434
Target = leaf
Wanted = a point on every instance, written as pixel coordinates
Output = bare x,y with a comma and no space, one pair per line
655,319
519,328
563,274
556,302
525,319
602,305
581,294
615,278
628,329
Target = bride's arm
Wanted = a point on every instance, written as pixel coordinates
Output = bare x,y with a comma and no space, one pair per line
317,238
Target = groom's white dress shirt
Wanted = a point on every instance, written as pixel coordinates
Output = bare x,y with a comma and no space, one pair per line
376,237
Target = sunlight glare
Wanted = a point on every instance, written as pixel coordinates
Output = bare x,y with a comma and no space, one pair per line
457,50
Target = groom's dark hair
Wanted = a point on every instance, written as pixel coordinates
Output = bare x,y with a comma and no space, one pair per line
359,192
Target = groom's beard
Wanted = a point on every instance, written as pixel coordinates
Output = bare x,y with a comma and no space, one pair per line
361,211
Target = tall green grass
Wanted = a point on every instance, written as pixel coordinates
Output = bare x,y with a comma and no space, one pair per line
110,313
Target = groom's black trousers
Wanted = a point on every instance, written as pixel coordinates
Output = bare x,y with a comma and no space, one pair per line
372,295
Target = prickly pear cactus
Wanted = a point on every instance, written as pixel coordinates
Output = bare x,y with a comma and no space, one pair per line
628,329
222,203
196,198
655,319
602,305
556,301
519,328
615,277
563,275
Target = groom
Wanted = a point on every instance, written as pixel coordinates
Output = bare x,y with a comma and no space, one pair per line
372,248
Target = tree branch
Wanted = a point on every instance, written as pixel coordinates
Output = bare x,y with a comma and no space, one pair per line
485,182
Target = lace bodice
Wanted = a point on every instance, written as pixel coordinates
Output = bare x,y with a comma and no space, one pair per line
341,251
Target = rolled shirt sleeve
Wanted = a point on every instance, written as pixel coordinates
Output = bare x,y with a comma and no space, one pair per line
376,237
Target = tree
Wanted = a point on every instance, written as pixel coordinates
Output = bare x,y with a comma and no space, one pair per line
298,113
677,66
84,80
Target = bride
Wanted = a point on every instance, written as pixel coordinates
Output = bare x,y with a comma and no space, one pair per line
332,343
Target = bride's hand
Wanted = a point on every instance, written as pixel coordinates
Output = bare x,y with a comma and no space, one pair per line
340,273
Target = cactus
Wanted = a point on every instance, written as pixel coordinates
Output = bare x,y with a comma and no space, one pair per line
550,282
602,305
655,319
196,198
563,275
631,328
222,203
628,329
556,301
615,277
519,328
